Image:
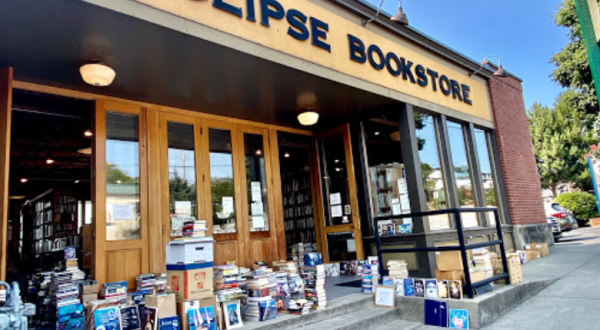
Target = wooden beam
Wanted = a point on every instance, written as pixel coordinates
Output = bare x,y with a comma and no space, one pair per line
6,75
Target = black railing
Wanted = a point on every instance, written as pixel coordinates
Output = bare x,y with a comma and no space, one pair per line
462,247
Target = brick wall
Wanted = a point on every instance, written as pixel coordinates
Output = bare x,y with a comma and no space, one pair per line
524,195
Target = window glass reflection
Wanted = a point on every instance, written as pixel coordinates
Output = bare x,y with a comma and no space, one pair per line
488,177
222,181
182,174
431,169
122,177
462,173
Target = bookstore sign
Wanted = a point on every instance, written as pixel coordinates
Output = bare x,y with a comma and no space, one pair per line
308,31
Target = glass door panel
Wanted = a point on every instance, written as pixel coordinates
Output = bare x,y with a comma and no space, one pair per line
256,182
122,176
340,229
222,183
181,155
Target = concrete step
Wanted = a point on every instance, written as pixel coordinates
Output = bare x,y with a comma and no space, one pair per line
366,318
338,307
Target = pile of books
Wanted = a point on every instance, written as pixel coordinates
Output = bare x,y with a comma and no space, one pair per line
258,285
194,228
227,283
114,290
145,283
64,295
296,286
299,306
272,284
397,269
257,308
483,262
73,267
286,266
314,278
283,289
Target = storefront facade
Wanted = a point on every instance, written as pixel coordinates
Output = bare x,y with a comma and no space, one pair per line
210,91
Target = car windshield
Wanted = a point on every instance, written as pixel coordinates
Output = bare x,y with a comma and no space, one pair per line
557,207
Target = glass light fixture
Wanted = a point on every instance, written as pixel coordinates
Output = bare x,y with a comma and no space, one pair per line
88,133
49,161
286,155
97,74
308,118
24,180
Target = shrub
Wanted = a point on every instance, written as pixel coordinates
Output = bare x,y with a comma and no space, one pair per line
582,204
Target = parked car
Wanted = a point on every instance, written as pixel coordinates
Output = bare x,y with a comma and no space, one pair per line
563,216
556,231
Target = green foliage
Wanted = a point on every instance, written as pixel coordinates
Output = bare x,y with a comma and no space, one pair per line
561,137
181,190
419,124
115,175
490,197
582,204
572,65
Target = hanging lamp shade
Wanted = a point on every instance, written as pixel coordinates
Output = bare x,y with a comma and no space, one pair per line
97,74
308,118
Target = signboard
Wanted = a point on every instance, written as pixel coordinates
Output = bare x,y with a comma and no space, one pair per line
309,31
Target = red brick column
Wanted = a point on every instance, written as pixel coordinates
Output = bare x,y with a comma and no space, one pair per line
523,190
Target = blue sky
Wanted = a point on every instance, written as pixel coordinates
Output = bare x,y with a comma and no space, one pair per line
521,32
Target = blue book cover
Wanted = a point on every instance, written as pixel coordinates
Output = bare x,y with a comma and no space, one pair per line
436,313
107,319
202,318
409,287
169,323
459,319
312,259
268,310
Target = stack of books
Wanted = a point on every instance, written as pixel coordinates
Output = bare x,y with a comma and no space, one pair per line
283,289
299,306
65,297
194,228
286,266
296,286
145,283
253,308
483,262
397,269
314,278
272,284
227,283
258,285
114,290
73,267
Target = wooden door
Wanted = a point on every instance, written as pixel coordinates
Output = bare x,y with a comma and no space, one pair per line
258,195
121,226
341,238
222,190
181,160
5,121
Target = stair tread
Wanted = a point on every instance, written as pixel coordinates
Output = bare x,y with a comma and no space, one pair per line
343,320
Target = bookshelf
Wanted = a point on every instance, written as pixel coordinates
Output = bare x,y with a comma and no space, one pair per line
49,224
298,213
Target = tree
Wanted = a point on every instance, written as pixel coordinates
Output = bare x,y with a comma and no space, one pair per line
115,175
572,65
561,137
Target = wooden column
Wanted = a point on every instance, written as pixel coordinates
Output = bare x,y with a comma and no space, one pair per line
6,75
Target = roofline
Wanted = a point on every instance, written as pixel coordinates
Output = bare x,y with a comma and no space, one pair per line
363,8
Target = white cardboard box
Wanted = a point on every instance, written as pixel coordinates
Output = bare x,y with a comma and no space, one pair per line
192,251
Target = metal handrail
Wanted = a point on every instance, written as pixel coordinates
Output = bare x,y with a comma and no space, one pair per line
462,247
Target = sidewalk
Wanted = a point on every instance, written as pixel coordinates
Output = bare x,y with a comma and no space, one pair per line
572,302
